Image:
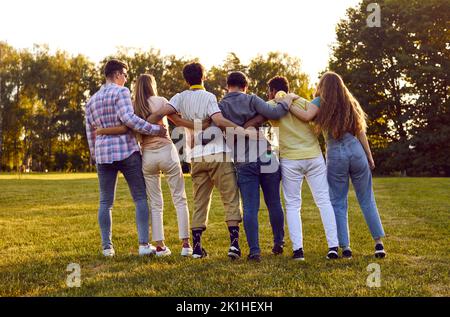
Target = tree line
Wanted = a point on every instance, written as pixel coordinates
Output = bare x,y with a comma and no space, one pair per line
399,72
43,97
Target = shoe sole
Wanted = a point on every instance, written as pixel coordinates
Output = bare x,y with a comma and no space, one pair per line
332,255
161,255
299,259
186,251
110,254
153,251
380,255
200,256
233,256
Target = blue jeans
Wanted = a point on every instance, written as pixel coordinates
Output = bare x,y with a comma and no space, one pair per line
131,169
346,160
250,176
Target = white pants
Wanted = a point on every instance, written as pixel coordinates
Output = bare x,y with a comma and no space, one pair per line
292,174
165,160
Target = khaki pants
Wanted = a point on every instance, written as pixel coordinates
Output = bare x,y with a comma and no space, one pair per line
209,174
165,159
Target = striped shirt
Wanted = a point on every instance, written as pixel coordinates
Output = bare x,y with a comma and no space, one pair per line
111,106
199,105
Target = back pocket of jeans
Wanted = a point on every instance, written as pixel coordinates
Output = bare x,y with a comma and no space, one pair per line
357,150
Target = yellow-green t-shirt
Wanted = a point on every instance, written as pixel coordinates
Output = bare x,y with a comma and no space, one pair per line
297,140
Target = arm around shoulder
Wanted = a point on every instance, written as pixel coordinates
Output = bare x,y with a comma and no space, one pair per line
308,115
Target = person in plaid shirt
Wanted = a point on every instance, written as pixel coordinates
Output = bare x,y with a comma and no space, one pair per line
111,106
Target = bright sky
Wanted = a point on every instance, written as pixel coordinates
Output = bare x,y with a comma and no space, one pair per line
207,29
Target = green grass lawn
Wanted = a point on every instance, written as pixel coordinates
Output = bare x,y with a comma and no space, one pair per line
49,221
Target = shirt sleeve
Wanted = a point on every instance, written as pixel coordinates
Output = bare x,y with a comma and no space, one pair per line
90,132
127,116
316,101
175,102
213,107
267,110
164,100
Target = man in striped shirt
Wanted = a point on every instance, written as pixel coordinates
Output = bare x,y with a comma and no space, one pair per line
212,164
109,107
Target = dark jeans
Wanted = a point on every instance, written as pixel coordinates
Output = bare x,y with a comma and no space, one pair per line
250,177
131,168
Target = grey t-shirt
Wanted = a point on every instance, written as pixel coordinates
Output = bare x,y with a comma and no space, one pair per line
239,107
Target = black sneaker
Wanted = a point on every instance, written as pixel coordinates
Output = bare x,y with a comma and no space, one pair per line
347,253
379,251
332,253
277,249
254,257
234,253
298,255
198,255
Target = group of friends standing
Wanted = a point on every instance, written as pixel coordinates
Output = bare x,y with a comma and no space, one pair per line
228,151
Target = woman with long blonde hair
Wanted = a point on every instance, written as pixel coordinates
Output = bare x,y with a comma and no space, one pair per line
159,154
339,115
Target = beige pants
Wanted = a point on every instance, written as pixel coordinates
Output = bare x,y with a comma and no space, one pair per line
165,160
205,176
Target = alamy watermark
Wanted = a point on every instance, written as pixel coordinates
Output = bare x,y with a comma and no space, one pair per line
74,278
374,18
241,146
374,278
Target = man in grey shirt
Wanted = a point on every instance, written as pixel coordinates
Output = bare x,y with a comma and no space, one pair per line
255,163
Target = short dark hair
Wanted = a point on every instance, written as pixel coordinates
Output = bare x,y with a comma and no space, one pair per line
278,83
237,79
114,65
193,73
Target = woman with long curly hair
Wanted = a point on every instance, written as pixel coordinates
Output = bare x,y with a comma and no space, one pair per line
339,115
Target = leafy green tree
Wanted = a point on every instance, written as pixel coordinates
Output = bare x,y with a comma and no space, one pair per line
9,87
139,62
43,96
217,76
399,72
172,80
262,68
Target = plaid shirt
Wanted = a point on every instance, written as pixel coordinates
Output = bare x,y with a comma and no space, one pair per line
111,106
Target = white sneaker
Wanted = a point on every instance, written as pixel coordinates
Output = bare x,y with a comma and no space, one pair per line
147,249
186,251
109,252
164,252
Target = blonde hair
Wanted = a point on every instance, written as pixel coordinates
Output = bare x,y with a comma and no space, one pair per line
145,88
339,111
